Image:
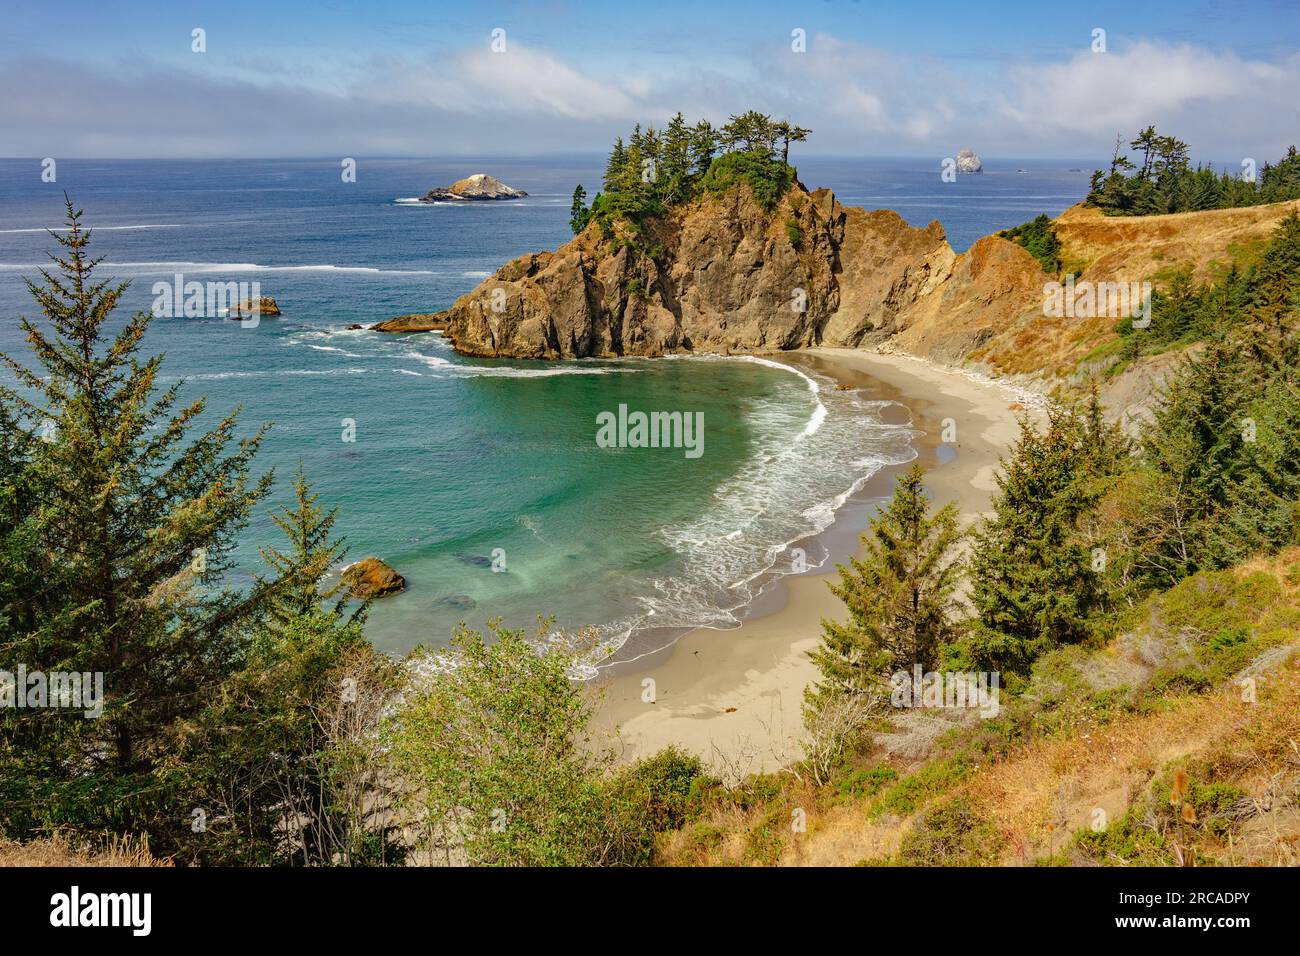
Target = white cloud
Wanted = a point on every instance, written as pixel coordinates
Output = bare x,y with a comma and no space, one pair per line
1147,83
519,80
857,99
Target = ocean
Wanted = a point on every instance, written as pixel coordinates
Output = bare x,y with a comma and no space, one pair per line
481,481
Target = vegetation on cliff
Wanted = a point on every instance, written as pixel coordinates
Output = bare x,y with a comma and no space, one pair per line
1038,236
656,170
1187,311
1161,180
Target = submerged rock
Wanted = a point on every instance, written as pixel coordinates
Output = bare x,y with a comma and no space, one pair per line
372,578
478,187
458,602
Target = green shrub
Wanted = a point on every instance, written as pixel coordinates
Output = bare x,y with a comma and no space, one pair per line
793,233
1038,237
665,785
950,834
768,179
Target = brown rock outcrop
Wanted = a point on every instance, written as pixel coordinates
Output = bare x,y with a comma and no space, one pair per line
372,578
414,322
723,274
264,305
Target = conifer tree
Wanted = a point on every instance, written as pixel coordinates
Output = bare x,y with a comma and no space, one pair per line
285,754
1034,584
675,166
704,145
614,167
295,589
579,214
899,597
135,516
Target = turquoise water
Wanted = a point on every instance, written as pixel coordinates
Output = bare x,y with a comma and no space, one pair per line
455,461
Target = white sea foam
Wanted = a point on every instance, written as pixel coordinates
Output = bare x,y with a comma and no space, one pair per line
147,225
789,491
330,348
263,373
819,414
167,268
505,371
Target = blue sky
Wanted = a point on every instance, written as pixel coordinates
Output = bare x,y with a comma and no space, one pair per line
420,78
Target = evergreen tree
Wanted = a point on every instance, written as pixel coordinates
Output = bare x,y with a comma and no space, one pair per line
1034,584
579,214
789,133
1166,183
136,517
295,588
614,168
704,146
750,132
899,597
675,165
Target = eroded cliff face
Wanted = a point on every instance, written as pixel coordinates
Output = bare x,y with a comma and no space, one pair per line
725,275
722,275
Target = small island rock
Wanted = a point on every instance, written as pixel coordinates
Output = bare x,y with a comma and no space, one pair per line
478,187
968,162
415,322
265,305
370,577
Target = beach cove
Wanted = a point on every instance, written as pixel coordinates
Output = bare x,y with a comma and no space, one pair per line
734,697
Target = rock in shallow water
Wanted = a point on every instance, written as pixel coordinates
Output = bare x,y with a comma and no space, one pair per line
264,305
371,578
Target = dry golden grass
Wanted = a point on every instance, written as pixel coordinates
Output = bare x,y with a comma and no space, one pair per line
1041,797
58,852
1043,793
1001,293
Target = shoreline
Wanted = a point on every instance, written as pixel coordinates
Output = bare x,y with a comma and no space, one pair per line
733,697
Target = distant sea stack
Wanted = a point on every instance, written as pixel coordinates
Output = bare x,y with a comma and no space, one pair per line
478,188
968,162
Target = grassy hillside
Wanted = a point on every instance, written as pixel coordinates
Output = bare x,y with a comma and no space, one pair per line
1079,767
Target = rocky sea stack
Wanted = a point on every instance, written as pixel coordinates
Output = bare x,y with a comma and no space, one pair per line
477,188
726,273
968,162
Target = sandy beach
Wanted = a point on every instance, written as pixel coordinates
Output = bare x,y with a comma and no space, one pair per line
733,697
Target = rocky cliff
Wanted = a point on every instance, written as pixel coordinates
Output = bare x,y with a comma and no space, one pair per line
723,274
